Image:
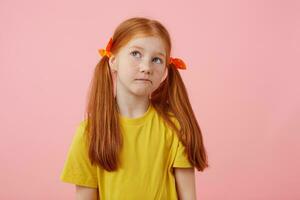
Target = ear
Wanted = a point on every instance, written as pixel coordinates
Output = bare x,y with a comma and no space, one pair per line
113,63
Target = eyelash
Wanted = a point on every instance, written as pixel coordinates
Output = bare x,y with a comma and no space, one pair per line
140,53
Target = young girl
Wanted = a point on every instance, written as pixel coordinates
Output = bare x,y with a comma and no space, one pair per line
140,138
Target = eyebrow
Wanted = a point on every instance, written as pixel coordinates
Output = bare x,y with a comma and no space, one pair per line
138,47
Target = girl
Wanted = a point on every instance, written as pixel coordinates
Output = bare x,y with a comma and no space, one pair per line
140,138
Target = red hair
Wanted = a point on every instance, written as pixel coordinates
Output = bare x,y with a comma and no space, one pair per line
170,99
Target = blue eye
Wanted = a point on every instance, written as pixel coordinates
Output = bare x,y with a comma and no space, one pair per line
133,53
159,60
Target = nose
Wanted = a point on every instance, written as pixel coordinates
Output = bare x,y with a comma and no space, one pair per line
145,66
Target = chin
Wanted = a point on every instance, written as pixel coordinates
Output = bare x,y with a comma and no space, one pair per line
141,92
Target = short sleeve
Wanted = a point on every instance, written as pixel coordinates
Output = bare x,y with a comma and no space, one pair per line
77,168
181,158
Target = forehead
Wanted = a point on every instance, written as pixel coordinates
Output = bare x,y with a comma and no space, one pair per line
150,44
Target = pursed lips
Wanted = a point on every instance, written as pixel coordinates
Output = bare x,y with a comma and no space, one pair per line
144,80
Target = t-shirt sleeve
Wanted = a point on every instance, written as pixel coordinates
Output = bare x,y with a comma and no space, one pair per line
78,169
181,157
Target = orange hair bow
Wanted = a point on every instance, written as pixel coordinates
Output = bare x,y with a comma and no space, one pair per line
106,51
177,62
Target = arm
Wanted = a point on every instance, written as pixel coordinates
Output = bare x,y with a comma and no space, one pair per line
185,183
86,193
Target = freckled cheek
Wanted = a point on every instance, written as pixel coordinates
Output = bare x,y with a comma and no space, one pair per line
159,71
129,65
135,66
134,63
130,73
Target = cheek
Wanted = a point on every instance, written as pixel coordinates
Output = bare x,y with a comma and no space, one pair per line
133,64
160,71
127,72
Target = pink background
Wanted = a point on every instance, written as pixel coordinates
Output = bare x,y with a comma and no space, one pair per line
242,78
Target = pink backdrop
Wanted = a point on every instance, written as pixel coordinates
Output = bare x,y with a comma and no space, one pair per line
242,78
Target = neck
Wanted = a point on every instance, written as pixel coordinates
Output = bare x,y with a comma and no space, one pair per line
132,106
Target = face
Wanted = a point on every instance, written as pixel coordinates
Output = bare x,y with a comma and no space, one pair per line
139,66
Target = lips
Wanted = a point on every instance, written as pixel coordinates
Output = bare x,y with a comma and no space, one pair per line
141,79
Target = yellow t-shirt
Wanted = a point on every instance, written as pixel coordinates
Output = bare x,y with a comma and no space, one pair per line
151,149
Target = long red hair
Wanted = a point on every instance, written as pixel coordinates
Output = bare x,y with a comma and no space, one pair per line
170,99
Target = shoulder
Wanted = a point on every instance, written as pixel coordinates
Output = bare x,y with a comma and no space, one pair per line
171,124
82,123
174,120
80,130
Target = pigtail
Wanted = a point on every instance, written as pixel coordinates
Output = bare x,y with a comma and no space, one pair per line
103,132
171,100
